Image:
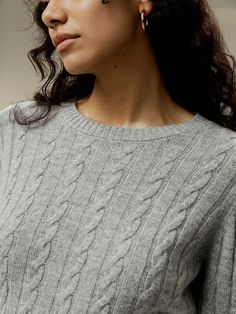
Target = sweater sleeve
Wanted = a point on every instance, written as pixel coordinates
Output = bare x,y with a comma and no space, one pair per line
217,294
5,115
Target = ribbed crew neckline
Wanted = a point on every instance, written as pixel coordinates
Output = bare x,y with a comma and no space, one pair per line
96,129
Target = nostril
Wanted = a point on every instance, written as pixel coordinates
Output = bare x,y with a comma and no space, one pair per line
54,21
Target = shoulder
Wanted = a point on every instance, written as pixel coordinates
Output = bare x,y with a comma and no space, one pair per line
214,128
28,109
10,130
227,138
219,137
225,142
217,150
7,114
223,154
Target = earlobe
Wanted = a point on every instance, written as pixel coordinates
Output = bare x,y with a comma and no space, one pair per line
151,5
147,6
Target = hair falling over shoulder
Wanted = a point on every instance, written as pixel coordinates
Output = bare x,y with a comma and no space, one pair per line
195,63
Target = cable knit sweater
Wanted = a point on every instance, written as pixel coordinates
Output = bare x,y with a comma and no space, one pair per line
102,219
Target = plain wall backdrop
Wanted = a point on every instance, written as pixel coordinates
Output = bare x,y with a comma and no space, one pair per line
18,79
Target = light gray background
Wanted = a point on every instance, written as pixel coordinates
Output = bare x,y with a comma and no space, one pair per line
18,79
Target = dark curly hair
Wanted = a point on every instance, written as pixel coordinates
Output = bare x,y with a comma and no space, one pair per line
189,47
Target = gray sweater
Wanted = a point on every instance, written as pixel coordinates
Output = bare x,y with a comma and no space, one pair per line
102,219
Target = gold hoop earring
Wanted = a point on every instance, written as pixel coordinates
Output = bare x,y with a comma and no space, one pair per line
144,21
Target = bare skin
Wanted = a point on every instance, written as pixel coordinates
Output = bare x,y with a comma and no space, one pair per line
129,90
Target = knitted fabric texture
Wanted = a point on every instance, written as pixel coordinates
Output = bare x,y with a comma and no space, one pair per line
102,219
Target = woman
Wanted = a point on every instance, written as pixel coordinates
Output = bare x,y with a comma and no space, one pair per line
120,196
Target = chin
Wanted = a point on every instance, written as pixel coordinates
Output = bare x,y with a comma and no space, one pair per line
77,64
73,70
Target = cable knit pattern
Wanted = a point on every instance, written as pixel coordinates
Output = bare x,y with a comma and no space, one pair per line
102,195
7,239
68,280
35,264
130,226
102,219
176,220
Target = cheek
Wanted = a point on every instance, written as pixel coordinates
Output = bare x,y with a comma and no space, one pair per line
110,35
103,38
109,27
96,50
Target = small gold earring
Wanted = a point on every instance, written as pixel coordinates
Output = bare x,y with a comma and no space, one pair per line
144,21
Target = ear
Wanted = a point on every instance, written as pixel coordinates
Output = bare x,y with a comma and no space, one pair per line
145,5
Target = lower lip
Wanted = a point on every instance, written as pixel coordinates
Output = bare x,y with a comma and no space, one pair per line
65,43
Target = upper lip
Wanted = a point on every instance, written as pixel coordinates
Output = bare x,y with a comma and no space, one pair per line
61,37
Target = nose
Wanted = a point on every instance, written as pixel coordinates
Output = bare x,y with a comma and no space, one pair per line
53,14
